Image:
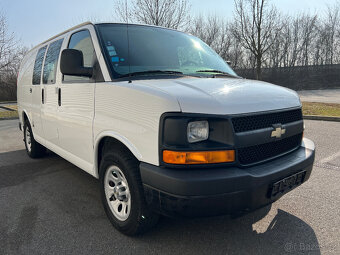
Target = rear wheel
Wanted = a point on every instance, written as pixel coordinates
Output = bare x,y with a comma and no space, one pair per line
33,148
122,192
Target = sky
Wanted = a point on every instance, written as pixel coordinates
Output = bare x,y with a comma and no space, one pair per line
34,21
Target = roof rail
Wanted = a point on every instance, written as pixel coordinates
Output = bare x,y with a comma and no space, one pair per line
68,30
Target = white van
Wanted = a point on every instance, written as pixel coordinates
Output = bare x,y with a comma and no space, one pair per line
163,122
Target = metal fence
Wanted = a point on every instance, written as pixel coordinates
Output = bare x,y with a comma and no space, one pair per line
8,92
8,88
299,77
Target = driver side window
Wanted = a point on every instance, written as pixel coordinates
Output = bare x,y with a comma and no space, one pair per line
82,41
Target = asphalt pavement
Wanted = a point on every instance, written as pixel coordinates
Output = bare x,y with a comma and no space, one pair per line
49,206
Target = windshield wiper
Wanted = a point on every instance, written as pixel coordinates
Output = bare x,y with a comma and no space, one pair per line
151,72
216,71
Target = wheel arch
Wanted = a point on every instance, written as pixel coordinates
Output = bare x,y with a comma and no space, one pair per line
24,116
116,138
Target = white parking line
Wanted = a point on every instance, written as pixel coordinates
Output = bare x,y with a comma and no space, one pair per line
327,166
330,158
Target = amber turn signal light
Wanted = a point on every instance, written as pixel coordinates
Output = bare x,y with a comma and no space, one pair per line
198,157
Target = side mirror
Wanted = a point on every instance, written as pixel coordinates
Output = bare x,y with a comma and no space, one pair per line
72,63
228,62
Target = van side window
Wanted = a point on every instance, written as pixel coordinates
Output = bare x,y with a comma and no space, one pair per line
82,41
38,66
51,60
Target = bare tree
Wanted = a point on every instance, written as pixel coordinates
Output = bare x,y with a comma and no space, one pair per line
278,53
300,34
11,55
217,33
259,37
7,44
255,27
295,42
308,35
327,33
167,13
208,28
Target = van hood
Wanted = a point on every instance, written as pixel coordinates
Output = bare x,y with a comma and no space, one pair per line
225,95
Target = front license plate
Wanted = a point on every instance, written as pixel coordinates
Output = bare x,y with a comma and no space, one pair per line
283,186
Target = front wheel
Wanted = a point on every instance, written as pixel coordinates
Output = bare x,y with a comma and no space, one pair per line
117,193
122,193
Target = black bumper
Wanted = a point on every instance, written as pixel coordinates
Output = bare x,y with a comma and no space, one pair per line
215,191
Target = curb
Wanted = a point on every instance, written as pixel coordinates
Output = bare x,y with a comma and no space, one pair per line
8,102
324,118
7,109
11,118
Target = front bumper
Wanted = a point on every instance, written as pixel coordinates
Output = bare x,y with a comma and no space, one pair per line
227,190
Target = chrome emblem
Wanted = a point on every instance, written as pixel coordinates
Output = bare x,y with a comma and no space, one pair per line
278,131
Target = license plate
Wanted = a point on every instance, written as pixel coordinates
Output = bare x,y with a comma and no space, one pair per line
283,186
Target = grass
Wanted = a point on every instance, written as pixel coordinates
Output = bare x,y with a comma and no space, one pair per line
8,114
11,106
321,109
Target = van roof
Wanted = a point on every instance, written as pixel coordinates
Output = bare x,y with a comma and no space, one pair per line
68,30
91,23
135,24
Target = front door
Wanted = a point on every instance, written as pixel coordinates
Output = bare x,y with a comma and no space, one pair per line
76,109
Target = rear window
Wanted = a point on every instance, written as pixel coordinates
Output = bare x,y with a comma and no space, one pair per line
38,66
51,61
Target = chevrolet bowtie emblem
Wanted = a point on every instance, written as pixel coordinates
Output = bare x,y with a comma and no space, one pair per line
279,131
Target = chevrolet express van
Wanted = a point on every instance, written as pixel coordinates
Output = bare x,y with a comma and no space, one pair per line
162,121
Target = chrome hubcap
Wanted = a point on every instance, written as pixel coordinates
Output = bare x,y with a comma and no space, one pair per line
28,139
117,193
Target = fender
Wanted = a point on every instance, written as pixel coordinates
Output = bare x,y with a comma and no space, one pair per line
118,137
22,117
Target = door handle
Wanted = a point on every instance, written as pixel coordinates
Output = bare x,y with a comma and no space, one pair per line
30,90
59,96
42,96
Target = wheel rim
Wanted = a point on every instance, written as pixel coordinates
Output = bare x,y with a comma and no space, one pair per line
117,193
28,139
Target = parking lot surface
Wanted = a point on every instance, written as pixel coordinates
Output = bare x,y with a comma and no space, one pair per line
49,206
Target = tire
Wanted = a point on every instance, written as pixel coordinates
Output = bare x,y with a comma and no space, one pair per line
33,148
121,188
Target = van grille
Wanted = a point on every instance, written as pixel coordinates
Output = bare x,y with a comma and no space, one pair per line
261,152
253,122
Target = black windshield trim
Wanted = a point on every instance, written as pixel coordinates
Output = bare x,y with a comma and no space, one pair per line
218,72
151,72
156,77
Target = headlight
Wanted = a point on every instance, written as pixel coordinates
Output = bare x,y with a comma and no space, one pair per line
198,131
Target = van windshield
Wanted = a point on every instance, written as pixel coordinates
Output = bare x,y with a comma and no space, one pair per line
153,50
